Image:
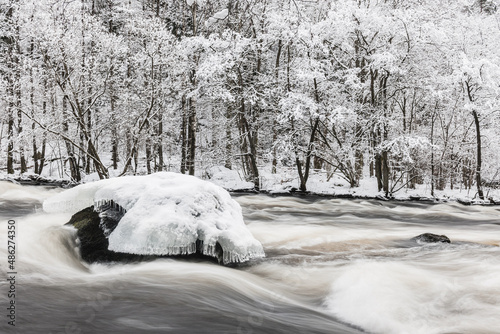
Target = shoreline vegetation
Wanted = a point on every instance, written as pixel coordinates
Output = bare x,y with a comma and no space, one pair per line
37,180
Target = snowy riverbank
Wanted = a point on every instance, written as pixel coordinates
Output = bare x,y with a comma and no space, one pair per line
286,183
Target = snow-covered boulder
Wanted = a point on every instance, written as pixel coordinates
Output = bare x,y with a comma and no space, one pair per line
166,214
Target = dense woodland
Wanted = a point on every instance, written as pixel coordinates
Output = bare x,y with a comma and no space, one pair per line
404,91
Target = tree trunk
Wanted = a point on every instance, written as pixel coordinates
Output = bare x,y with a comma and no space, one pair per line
478,158
275,122
470,94
385,172
114,134
10,144
89,132
252,155
191,120
378,171
40,156
191,137
358,167
160,143
17,84
98,165
229,149
305,175
243,145
308,156
73,164
33,127
148,155
432,155
184,140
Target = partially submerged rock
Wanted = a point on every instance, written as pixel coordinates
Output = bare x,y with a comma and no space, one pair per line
93,228
164,214
93,243
431,238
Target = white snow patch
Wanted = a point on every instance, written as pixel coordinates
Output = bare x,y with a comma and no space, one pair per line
166,213
227,178
221,15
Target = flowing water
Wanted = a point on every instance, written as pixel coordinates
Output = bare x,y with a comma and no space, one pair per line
332,266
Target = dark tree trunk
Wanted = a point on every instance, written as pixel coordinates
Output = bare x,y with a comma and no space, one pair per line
148,155
17,85
114,139
275,123
478,156
88,159
470,93
432,155
73,164
385,172
41,155
10,144
252,155
378,171
358,167
160,143
229,148
184,136
191,137
305,176
243,145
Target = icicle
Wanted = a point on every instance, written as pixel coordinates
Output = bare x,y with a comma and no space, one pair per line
108,204
167,250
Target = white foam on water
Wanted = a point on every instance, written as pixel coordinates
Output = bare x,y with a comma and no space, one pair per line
15,192
398,298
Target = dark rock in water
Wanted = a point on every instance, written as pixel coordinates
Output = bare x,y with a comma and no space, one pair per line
93,229
93,242
431,238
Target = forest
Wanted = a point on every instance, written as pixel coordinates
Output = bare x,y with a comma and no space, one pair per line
405,92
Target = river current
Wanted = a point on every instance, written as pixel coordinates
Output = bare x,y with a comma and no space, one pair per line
331,266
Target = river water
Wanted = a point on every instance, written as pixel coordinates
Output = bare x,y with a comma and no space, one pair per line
331,266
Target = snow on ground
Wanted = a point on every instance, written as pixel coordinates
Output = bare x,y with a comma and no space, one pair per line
227,178
166,213
320,182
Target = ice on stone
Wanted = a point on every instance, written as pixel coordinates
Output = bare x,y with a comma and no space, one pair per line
166,214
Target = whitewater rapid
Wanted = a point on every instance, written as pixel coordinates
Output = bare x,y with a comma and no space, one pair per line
331,266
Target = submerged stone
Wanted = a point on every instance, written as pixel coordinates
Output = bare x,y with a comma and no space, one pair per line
431,238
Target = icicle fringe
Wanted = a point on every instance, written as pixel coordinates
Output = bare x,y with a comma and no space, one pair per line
106,204
208,250
165,250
